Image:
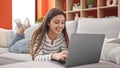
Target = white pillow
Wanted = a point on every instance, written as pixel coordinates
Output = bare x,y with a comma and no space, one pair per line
71,27
114,40
114,55
111,52
5,37
108,26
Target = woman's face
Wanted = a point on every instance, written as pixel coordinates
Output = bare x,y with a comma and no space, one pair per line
57,24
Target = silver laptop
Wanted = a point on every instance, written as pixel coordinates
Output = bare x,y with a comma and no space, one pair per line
84,49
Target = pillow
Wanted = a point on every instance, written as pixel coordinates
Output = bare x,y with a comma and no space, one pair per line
114,40
71,27
5,37
114,55
108,26
111,52
29,31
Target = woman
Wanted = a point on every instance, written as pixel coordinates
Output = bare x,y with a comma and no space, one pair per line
50,40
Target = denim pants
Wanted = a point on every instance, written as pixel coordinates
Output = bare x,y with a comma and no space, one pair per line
19,45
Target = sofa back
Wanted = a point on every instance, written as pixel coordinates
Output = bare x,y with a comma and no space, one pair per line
108,26
71,27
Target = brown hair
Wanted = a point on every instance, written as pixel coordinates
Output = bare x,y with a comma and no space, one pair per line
39,33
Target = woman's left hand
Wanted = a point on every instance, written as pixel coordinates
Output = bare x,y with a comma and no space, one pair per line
63,55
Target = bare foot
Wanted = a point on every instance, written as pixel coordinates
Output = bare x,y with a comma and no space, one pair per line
26,23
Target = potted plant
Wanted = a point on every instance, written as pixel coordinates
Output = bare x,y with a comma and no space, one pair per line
40,19
90,3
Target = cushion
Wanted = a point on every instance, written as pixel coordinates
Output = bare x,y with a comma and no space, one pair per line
114,40
14,56
29,31
114,55
108,26
71,27
3,50
111,52
5,37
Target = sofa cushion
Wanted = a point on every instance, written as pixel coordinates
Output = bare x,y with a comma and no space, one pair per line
3,50
71,27
114,40
5,37
111,52
15,56
28,32
108,26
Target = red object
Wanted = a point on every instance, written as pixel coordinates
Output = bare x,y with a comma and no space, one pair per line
6,14
44,7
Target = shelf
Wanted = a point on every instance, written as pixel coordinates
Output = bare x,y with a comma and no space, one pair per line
73,11
105,7
89,9
99,9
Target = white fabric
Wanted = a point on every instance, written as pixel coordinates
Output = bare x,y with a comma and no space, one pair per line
3,50
108,26
114,40
48,64
5,37
111,52
71,27
114,55
22,57
29,31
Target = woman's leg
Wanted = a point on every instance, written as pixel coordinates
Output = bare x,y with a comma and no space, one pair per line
21,46
19,35
19,43
21,28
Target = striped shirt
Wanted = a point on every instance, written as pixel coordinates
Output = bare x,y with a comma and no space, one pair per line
47,49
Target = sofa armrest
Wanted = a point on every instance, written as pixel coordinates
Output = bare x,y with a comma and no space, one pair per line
3,50
5,37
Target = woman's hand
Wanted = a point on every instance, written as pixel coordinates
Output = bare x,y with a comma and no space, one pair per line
61,56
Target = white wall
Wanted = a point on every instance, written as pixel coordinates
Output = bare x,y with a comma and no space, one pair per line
22,9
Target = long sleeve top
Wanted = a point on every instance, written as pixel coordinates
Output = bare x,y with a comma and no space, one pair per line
47,49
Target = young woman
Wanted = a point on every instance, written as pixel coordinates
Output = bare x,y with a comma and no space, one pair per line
50,40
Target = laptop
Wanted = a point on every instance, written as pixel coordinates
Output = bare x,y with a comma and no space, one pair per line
84,49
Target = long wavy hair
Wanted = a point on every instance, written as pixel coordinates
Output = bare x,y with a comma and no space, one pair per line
39,33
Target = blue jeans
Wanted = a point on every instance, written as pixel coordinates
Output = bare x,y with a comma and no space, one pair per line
19,44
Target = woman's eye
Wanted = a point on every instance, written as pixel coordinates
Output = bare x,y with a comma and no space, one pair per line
56,22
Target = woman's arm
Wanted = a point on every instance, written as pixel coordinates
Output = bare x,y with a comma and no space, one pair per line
60,56
43,57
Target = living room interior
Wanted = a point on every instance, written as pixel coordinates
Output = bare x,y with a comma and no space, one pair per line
82,16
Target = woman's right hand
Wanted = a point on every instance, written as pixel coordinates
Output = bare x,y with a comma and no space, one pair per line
61,56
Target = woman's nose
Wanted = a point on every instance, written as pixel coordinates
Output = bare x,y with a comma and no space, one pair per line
60,25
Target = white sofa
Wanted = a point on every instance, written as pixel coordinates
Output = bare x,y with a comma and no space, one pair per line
108,26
